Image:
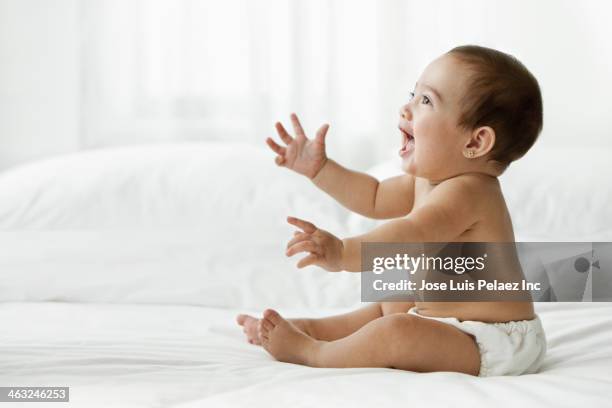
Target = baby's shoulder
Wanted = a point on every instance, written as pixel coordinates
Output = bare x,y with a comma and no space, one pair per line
477,185
469,191
484,203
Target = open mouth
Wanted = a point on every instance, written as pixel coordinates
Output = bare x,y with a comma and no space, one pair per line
407,142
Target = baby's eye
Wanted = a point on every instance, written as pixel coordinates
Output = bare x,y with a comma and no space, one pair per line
425,100
411,96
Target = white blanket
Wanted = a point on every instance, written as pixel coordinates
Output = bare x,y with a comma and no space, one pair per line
113,355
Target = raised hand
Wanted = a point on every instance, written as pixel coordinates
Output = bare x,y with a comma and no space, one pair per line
325,249
300,154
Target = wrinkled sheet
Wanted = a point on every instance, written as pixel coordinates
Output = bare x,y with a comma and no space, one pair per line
121,355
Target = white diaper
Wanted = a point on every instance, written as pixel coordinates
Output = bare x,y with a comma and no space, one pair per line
511,348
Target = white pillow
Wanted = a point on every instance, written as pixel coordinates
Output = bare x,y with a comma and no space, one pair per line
203,185
552,195
192,223
561,194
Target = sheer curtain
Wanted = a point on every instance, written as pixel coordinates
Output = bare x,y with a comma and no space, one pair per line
157,70
164,70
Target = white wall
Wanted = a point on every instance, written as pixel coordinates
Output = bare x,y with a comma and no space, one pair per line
38,79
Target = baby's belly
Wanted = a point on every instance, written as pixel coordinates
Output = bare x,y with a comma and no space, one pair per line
489,312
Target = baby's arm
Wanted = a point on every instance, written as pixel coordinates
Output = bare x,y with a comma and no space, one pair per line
363,194
450,209
356,191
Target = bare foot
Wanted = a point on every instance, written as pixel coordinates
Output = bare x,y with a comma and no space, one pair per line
284,341
249,327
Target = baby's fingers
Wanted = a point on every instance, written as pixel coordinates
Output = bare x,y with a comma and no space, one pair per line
276,147
321,133
297,127
308,260
298,237
303,225
304,246
285,137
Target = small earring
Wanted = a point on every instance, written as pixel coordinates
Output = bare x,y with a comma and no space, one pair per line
470,153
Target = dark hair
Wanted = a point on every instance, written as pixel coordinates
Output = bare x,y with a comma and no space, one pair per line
503,94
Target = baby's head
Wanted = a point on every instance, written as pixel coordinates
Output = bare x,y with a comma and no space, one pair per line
473,110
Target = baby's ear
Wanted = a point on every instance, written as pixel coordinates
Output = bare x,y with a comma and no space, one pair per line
480,143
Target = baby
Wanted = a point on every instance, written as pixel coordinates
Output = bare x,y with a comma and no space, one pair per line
473,111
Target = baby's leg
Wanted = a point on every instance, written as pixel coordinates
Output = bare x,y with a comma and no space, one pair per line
339,326
395,341
342,325
332,327
326,328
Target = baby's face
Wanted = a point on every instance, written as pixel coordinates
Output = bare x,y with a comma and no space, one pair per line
433,143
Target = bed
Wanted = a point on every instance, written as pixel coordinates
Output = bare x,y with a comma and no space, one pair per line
123,269
126,355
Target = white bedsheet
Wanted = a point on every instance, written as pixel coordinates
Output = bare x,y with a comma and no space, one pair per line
114,355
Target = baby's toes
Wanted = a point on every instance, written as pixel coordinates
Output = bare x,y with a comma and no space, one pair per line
267,326
260,330
254,337
240,319
272,316
248,334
